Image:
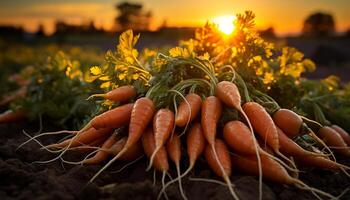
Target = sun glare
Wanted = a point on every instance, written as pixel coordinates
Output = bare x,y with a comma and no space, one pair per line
225,24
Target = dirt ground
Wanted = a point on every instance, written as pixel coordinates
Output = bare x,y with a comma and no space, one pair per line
22,179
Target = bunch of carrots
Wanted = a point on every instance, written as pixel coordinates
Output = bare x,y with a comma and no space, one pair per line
189,105
257,143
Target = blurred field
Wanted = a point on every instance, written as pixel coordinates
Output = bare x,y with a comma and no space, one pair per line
332,55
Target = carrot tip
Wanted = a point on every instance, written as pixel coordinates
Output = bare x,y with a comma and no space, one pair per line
152,158
95,95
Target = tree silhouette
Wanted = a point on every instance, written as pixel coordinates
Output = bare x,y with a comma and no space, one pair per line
41,31
132,16
319,25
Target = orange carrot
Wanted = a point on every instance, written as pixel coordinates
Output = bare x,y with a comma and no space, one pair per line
115,118
272,170
290,148
83,138
195,144
163,124
149,146
332,138
221,165
288,121
211,113
262,123
239,138
12,116
173,148
265,147
195,147
342,133
160,157
141,115
102,155
188,109
122,94
264,126
90,147
292,126
319,162
228,93
130,154
224,158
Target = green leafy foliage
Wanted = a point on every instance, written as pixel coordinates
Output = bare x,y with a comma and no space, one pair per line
122,67
57,92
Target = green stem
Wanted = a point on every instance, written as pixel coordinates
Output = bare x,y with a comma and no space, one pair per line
241,82
319,116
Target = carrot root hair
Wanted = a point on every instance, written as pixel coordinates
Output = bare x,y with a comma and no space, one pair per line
81,161
152,158
180,183
256,151
208,180
225,177
63,151
292,169
313,135
128,164
163,184
103,168
179,177
38,142
175,107
302,185
96,95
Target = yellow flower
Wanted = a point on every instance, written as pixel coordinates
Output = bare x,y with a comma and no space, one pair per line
149,53
175,52
68,71
135,53
130,59
108,103
205,56
120,67
257,58
309,65
234,51
105,84
95,70
104,78
268,78
298,56
178,51
135,76
121,76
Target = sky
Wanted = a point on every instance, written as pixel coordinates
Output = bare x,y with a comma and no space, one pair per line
285,16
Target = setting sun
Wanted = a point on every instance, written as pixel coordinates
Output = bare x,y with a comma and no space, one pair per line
225,23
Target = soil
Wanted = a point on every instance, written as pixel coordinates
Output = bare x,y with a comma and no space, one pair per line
20,178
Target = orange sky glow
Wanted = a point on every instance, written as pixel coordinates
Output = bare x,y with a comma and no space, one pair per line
285,16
